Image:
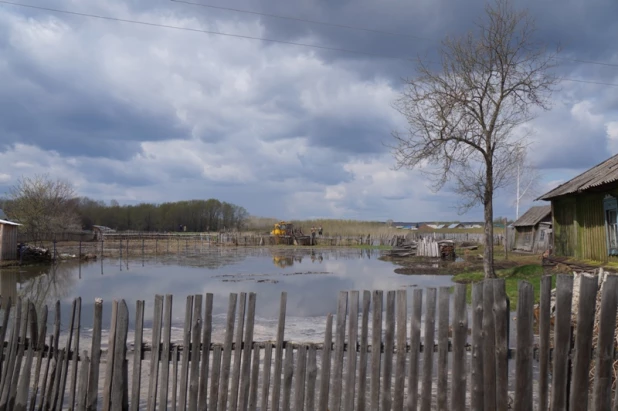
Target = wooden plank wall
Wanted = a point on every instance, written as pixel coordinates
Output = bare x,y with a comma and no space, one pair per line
354,369
8,242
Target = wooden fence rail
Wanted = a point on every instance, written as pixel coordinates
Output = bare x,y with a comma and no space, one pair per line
462,372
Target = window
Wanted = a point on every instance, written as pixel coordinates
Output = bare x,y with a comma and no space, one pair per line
542,236
611,224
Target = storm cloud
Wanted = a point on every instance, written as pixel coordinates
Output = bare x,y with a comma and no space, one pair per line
142,113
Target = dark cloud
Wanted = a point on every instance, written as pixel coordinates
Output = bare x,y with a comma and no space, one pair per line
109,87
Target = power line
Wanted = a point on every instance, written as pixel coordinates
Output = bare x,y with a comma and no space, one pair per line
344,26
241,36
323,23
144,23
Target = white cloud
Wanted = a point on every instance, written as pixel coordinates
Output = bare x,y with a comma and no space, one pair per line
282,130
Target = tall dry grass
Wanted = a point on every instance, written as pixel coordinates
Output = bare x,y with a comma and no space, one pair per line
349,227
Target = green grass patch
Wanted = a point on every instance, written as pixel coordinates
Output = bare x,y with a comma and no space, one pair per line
512,276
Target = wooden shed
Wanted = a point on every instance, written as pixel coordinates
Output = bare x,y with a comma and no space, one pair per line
8,240
585,214
533,230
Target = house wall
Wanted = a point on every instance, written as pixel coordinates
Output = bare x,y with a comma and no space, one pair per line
579,226
541,245
524,237
8,242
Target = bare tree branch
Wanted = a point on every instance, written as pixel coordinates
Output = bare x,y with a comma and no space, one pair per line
462,118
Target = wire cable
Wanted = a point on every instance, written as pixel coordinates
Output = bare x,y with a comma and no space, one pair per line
144,23
323,23
167,26
344,26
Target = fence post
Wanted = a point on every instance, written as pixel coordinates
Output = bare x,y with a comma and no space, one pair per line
523,368
562,341
583,343
501,349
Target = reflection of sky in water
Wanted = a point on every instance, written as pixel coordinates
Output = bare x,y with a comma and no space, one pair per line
312,281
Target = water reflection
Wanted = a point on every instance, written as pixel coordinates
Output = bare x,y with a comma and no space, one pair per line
311,277
40,284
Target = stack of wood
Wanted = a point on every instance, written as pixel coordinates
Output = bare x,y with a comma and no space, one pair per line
444,249
32,253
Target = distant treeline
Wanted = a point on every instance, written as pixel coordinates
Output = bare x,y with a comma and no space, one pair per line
196,215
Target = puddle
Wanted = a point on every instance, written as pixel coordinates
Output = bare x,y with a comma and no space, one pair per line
312,279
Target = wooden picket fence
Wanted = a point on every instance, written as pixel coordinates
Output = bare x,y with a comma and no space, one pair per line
387,369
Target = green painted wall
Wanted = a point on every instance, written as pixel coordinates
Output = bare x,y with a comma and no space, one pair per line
579,226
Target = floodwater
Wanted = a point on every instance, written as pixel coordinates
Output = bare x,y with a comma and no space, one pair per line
312,279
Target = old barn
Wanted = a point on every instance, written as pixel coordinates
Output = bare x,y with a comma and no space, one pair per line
8,240
533,230
585,213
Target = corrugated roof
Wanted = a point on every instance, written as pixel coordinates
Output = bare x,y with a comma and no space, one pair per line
533,216
604,173
8,222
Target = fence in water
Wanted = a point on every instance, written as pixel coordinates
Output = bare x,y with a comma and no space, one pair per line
391,368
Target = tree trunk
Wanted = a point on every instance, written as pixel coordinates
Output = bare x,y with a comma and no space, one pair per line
488,203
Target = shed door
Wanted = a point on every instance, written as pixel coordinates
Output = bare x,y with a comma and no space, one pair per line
610,206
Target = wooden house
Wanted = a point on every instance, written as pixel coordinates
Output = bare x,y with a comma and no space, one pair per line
8,240
585,213
532,230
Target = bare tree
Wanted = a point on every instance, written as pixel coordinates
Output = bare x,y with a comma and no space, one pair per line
464,117
44,206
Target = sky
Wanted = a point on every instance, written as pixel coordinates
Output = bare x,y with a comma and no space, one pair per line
143,113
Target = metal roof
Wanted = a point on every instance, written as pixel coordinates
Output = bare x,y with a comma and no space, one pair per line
533,216
604,173
8,222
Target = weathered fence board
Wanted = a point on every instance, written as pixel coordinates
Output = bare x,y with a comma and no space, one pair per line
229,375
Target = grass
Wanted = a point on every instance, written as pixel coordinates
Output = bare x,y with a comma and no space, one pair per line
512,276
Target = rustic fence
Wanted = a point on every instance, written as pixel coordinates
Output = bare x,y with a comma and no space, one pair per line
390,368
454,236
